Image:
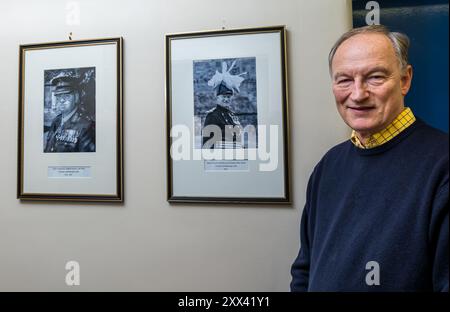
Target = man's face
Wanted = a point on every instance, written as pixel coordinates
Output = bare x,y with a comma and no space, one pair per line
368,84
66,102
224,99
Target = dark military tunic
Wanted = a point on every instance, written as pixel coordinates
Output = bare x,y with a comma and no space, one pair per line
77,134
223,118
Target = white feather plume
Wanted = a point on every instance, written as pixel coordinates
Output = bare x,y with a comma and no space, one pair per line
233,82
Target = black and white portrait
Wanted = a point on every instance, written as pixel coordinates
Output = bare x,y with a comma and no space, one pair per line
69,110
225,105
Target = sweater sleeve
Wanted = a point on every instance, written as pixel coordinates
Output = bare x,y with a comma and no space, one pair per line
300,267
439,239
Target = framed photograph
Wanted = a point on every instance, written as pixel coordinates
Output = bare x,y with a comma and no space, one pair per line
70,121
227,116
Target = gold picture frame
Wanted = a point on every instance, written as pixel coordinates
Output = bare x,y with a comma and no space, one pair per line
70,121
198,66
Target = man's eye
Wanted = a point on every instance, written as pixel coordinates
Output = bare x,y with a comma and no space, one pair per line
343,81
376,77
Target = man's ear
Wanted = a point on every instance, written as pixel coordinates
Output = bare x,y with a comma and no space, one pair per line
77,97
406,79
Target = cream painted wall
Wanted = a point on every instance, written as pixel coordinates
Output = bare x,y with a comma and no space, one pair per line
147,244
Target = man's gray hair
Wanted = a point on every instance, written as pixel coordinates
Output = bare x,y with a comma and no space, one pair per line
400,42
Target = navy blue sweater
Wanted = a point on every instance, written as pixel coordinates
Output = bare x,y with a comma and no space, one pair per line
388,204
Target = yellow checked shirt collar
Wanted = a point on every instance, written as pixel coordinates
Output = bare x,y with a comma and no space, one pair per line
400,123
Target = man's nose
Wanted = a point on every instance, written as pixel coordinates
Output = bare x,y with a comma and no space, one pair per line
359,92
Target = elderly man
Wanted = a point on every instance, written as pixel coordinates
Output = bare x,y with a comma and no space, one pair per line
376,212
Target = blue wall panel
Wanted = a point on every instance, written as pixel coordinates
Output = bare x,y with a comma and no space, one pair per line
426,24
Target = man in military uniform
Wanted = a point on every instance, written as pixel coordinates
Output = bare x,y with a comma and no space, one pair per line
71,130
222,117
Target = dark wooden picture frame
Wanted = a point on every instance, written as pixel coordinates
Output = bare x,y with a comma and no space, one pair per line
66,171
175,107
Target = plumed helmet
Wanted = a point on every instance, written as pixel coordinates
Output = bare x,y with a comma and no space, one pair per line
224,82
